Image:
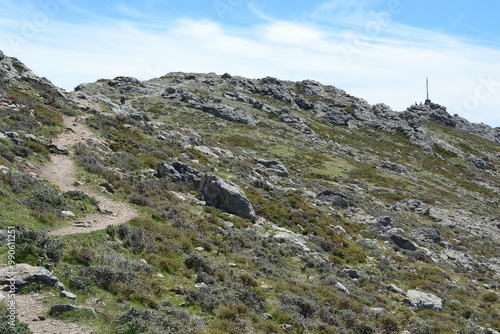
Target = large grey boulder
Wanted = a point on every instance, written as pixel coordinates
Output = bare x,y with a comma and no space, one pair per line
23,274
418,301
225,195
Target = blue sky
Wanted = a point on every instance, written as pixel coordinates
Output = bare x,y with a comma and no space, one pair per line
379,50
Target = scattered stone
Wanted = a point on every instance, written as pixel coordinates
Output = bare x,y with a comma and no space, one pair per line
351,273
104,210
395,289
108,187
66,294
418,301
3,136
179,291
225,195
183,304
31,137
266,287
342,288
4,169
199,249
12,134
340,230
233,265
41,317
58,149
200,285
268,316
25,274
68,214
376,311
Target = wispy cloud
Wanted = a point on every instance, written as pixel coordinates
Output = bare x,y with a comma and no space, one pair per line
389,65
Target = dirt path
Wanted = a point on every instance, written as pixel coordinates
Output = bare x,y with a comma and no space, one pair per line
31,309
61,171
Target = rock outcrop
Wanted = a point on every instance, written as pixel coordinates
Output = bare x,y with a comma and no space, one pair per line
419,301
179,172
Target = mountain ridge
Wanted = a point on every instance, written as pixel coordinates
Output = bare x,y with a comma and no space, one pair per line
264,206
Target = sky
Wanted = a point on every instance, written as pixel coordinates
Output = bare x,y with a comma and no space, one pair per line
378,50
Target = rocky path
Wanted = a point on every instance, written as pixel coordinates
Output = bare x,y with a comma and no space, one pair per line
31,310
61,171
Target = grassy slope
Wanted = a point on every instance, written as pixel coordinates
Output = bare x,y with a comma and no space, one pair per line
240,265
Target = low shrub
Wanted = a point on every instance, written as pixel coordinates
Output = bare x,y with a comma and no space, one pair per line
169,320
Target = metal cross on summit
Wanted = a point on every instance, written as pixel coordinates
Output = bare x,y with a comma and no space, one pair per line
427,101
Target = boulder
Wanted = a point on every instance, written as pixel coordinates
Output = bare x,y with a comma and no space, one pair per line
396,236
24,274
225,195
418,301
342,288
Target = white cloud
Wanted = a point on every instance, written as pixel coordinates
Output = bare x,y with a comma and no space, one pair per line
387,66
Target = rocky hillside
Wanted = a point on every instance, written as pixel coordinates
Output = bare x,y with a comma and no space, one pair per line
264,206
